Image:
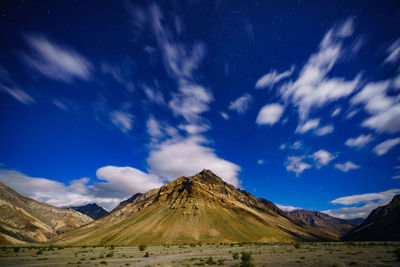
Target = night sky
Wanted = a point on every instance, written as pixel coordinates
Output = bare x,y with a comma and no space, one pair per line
294,101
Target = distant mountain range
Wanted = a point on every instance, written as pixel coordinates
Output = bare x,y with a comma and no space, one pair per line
23,219
196,209
383,223
331,226
92,210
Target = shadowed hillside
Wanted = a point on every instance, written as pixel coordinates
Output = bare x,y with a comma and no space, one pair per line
383,223
23,219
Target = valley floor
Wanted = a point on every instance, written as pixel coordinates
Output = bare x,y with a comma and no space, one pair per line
300,254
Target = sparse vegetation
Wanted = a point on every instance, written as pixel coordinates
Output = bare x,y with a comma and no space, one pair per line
210,261
246,260
235,255
142,247
297,245
146,255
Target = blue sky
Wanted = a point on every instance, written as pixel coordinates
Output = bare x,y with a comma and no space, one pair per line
293,101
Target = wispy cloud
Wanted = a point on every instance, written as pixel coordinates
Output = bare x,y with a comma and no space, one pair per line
359,141
272,78
122,120
241,104
297,165
347,166
384,147
307,126
393,52
362,204
313,88
56,61
8,86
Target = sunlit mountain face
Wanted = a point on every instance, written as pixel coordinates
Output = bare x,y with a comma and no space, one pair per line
296,102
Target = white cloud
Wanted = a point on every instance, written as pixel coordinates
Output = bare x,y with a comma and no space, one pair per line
187,156
385,122
194,129
154,128
122,120
118,183
307,126
327,129
322,158
272,78
126,180
313,88
385,146
363,204
154,95
270,114
241,104
359,141
384,109
287,208
56,61
191,101
393,52
347,166
296,145
297,165
224,115
336,112
18,94
8,86
396,176
260,162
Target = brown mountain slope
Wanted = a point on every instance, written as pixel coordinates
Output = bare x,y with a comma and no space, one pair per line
383,223
25,219
332,226
197,209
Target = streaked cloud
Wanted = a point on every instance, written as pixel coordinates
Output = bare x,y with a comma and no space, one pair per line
384,147
56,61
362,204
307,126
241,104
272,78
122,120
347,166
359,141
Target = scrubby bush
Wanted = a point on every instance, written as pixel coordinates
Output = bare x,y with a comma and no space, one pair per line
16,249
146,255
221,262
142,247
210,261
246,260
297,245
235,255
110,255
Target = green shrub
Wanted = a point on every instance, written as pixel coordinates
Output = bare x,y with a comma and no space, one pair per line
146,255
111,247
210,261
297,245
16,249
221,262
235,255
246,260
103,262
142,247
110,255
